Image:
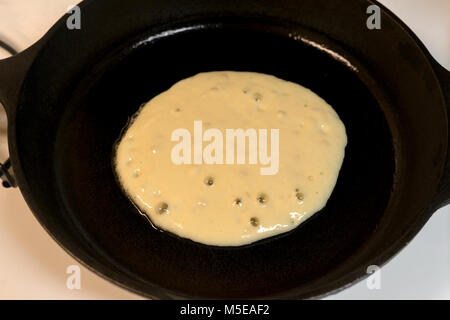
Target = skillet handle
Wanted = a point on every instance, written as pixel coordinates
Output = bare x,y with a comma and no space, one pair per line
442,197
6,175
12,74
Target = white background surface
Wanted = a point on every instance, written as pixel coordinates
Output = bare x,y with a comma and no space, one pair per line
32,266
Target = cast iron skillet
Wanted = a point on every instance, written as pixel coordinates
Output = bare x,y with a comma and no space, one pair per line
69,95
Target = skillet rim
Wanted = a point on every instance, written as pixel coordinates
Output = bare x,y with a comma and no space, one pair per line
338,285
